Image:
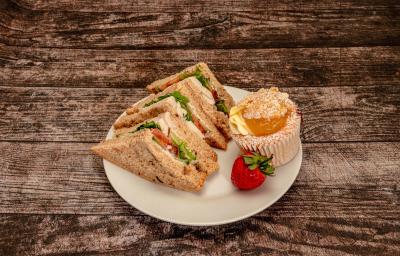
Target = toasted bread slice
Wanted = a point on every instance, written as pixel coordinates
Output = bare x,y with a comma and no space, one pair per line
211,133
141,155
161,84
172,122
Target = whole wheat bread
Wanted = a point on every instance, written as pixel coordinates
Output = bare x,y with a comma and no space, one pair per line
142,156
213,136
219,119
205,70
207,158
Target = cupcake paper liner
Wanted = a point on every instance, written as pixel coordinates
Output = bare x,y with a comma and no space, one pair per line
283,148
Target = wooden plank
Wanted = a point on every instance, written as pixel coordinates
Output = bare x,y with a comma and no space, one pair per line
20,66
204,29
118,68
366,113
200,5
71,234
336,179
358,69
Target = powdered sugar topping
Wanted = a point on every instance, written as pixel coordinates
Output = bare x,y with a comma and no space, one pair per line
266,104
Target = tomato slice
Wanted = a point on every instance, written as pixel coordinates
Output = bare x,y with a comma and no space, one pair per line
161,138
215,94
196,122
164,141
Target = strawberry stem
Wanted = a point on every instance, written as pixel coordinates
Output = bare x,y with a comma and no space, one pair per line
254,160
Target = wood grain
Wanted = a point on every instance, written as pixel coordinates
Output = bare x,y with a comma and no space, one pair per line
20,66
366,113
71,234
69,67
212,6
203,29
336,180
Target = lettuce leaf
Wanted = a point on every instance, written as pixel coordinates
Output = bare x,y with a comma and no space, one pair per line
148,125
182,100
199,76
184,153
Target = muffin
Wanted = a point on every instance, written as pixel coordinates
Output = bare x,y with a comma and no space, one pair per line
267,122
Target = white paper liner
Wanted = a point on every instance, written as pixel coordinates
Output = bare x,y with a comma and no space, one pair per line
283,148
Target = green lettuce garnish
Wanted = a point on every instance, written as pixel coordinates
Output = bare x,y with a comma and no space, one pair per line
184,154
220,104
199,76
182,100
148,125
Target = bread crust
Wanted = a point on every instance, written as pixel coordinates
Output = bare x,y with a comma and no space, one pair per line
153,87
207,158
142,156
219,119
222,93
213,136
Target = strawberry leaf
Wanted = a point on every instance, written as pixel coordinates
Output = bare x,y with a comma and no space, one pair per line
269,170
248,160
262,162
253,166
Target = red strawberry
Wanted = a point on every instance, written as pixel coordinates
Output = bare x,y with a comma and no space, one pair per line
249,170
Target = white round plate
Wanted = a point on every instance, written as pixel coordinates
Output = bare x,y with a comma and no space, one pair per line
219,202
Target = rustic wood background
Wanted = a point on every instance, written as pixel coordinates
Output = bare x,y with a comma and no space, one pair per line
69,67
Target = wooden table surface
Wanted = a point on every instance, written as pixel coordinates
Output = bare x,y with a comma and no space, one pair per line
68,68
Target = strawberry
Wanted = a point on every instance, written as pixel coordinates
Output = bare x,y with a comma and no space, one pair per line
249,170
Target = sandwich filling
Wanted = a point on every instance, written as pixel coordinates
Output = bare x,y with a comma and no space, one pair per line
185,109
174,145
204,81
163,135
207,95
